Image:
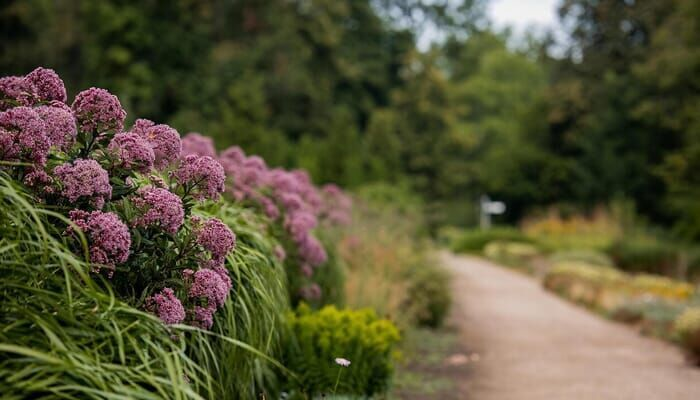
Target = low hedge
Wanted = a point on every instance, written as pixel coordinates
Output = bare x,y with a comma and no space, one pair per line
687,329
643,254
474,241
606,288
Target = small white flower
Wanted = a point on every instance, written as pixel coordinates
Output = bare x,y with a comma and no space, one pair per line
342,362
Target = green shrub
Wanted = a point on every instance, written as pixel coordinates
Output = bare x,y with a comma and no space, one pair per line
653,316
693,259
317,338
429,296
474,241
687,329
511,252
448,235
644,254
582,255
606,288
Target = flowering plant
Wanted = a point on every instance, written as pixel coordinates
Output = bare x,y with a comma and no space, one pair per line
293,205
129,194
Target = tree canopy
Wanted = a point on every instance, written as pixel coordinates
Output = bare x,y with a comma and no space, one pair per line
342,88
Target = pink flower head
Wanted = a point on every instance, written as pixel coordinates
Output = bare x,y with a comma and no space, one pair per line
299,223
252,173
60,124
195,143
108,237
164,140
216,237
204,176
11,89
208,284
310,292
98,110
279,253
39,180
133,151
225,278
282,181
234,155
47,84
337,206
23,136
298,182
11,86
269,207
312,251
306,270
291,202
84,179
166,306
203,316
159,207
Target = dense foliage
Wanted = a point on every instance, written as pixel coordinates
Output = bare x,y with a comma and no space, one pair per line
317,338
96,215
342,89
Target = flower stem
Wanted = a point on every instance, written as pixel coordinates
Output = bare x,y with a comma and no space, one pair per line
337,379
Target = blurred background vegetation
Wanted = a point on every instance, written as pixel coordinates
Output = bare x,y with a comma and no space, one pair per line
340,87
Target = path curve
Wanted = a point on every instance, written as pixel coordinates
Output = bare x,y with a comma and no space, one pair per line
534,345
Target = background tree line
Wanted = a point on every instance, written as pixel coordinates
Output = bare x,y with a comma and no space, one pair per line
341,88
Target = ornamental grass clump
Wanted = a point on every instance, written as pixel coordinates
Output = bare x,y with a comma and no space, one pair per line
63,335
128,194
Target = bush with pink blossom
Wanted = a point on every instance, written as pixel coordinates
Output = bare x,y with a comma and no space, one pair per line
129,194
294,206
144,211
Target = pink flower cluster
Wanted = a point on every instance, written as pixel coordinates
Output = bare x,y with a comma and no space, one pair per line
164,140
11,89
108,237
84,180
280,193
337,206
211,287
158,207
132,151
23,136
217,238
196,144
102,174
277,191
166,306
97,110
45,84
60,124
202,176
40,85
311,292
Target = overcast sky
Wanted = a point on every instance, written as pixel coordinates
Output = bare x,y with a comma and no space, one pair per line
523,13
518,14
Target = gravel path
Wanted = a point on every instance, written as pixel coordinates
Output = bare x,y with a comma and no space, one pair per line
533,345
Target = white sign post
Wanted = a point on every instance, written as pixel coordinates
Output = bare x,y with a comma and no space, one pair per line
487,209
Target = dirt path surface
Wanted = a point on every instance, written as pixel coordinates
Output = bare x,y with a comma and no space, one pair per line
533,345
